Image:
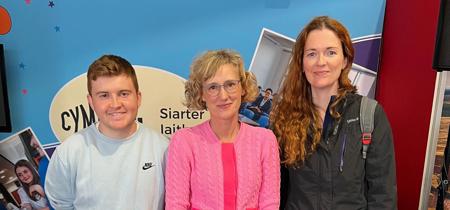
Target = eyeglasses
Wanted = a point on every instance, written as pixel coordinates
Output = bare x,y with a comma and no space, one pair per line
230,86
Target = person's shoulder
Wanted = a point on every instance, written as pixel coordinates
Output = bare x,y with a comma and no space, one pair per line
21,190
351,103
259,97
78,140
191,135
23,195
357,98
155,137
258,133
254,129
353,98
199,129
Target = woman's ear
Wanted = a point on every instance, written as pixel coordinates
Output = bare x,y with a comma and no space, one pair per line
203,98
345,63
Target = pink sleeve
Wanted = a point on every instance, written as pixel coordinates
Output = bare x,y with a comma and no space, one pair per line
178,173
269,197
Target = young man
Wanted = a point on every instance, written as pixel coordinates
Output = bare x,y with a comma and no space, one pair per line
262,105
115,163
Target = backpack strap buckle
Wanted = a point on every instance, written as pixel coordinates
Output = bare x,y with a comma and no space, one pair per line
366,116
366,140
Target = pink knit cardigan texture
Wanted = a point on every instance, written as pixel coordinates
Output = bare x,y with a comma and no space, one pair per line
194,172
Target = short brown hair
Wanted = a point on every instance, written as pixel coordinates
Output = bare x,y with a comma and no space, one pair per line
205,67
108,66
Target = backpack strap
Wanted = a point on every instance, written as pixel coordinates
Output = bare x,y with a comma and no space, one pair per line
366,119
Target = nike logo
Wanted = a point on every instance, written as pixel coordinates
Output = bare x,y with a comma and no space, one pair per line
147,166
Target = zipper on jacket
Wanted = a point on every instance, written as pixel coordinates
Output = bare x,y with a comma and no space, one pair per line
341,163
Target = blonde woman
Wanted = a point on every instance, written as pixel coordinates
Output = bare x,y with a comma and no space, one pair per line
222,163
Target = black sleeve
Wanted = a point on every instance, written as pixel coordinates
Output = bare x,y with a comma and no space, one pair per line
284,186
380,166
257,101
267,107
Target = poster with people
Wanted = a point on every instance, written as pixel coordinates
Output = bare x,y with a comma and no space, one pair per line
435,193
23,163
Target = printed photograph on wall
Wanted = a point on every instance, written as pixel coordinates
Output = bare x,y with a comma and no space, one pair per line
439,196
23,163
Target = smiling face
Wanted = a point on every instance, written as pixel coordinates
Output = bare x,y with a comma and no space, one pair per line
323,60
115,100
224,105
267,94
24,174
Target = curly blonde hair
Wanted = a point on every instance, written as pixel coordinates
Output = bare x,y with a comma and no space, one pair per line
205,67
294,115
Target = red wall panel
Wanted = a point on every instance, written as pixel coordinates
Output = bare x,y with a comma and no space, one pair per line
405,87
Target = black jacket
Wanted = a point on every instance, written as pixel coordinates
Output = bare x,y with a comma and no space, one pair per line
266,107
336,176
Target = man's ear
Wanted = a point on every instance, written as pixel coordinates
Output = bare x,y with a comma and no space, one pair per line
139,98
89,98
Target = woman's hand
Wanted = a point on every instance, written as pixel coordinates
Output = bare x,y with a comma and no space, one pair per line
36,191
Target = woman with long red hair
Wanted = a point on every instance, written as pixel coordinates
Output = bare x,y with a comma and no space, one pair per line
317,123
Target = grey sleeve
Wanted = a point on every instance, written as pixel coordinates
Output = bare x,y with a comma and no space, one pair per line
60,183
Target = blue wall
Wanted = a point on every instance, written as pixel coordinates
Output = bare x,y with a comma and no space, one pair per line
48,46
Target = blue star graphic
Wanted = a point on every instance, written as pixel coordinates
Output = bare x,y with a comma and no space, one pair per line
22,65
57,28
51,4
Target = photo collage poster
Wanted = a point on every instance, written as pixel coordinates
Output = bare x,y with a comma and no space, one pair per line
23,164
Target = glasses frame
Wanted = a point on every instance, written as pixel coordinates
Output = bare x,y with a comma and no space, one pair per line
220,87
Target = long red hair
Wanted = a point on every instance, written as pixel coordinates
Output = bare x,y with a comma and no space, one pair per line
294,115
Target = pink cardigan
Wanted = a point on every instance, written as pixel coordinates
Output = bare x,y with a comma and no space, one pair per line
194,173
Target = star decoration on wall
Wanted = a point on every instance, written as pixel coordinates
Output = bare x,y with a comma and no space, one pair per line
51,4
27,1
22,66
57,28
24,91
